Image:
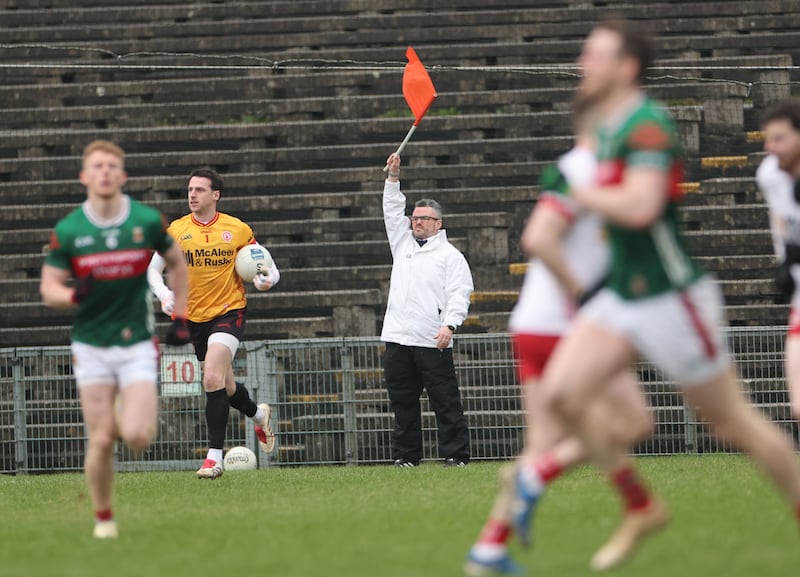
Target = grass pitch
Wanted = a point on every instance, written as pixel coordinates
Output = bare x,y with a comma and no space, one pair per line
387,522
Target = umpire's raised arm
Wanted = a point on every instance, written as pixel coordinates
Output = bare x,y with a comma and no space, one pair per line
394,204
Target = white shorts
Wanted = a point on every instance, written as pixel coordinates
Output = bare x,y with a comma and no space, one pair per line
679,332
115,365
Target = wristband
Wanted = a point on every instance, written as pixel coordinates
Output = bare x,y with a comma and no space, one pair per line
394,174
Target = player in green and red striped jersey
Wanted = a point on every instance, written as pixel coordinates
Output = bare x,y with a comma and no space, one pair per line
658,303
105,245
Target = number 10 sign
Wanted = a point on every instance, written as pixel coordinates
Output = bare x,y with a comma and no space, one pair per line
180,375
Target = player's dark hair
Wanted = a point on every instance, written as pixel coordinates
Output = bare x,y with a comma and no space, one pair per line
784,110
635,42
213,177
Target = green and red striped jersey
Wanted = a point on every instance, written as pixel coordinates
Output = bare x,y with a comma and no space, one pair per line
118,309
647,261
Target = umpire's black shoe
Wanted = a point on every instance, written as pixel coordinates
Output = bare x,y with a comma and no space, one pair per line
454,462
404,463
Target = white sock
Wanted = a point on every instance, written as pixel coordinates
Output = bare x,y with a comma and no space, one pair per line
215,455
259,416
489,552
531,479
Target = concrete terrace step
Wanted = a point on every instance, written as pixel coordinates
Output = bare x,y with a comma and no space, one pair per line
220,107
546,52
215,109
759,314
726,268
737,217
420,29
318,93
352,16
518,148
284,133
737,292
728,242
295,327
738,267
251,196
292,7
556,9
344,253
287,144
307,279
265,305
269,233
292,279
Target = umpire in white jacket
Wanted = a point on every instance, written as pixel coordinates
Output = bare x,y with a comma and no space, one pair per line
428,299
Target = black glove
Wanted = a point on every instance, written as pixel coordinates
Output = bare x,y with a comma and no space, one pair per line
82,288
590,292
784,281
792,253
178,333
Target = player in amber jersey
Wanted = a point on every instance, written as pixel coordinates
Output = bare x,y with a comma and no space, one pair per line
217,305
658,304
105,245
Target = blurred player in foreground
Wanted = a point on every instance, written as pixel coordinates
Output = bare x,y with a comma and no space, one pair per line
105,245
658,303
778,177
217,305
569,259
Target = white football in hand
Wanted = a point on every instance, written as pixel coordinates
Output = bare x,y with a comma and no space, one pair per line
251,260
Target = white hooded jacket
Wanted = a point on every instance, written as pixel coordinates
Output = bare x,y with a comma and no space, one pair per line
430,285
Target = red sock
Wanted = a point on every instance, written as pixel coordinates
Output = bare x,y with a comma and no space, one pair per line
496,532
104,515
548,468
631,488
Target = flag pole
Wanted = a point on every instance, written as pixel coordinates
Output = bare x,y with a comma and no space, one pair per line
403,144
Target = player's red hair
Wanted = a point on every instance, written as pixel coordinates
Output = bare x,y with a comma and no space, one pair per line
104,146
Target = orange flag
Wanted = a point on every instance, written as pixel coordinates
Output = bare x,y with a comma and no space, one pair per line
417,86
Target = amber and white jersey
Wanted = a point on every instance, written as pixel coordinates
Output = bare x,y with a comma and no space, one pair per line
777,186
210,252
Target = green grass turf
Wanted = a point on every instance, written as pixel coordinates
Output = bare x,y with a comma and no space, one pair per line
385,522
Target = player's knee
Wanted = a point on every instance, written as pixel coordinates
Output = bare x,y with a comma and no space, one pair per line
102,440
213,382
641,427
727,425
562,403
138,439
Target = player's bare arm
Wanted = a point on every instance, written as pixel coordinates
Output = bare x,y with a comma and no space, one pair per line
635,203
178,279
542,238
54,290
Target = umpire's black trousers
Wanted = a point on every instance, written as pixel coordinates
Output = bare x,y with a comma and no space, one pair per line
409,370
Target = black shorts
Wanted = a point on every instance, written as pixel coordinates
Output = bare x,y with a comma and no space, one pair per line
231,322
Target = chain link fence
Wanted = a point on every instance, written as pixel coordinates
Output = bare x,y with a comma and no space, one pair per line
330,404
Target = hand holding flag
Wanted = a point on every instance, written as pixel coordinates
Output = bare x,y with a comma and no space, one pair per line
418,91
